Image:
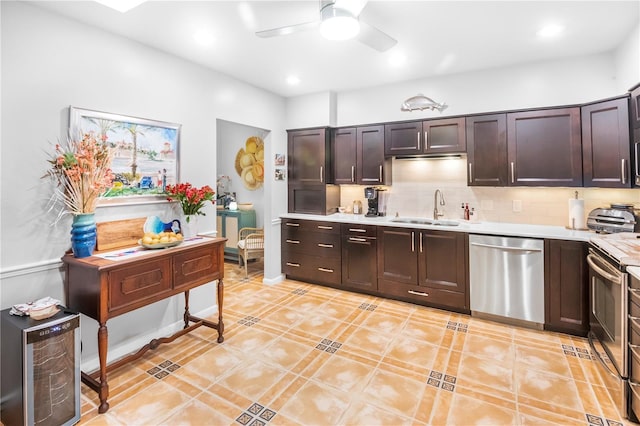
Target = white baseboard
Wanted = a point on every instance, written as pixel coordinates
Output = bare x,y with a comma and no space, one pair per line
273,281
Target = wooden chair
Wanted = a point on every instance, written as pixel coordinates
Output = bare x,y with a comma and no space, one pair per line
250,246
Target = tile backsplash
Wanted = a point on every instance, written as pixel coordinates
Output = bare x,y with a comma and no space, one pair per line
415,181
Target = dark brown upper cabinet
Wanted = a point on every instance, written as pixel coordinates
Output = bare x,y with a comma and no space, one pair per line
309,156
430,137
344,155
310,173
544,147
606,149
359,156
634,102
487,150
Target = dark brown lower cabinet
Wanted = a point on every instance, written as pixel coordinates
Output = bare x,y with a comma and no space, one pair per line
359,267
566,287
424,266
311,251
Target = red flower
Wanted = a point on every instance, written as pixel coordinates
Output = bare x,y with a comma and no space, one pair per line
190,198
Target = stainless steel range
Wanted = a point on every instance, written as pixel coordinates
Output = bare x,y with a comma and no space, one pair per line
615,315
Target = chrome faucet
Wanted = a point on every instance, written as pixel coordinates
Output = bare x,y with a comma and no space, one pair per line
436,213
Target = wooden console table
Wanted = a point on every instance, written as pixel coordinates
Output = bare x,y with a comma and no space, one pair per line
102,289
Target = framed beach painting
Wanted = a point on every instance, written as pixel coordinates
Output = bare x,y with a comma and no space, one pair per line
145,153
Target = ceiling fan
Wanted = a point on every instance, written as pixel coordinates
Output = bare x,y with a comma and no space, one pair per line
339,20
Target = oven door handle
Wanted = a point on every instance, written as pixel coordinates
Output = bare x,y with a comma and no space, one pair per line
597,354
591,260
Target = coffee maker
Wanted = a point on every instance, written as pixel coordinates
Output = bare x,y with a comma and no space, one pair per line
375,200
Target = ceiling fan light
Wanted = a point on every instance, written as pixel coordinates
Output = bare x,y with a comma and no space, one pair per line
338,24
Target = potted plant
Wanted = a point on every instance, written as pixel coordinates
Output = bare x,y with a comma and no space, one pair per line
191,201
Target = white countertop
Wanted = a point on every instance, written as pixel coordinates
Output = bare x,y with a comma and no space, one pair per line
634,270
492,228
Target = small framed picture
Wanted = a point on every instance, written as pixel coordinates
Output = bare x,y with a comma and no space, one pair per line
279,161
279,174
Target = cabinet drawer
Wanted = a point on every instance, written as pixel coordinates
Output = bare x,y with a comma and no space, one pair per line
195,268
423,295
310,226
312,243
634,302
634,331
350,229
312,268
133,286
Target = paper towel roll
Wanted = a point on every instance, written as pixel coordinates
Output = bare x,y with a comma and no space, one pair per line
576,214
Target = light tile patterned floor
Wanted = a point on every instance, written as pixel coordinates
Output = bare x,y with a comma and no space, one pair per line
301,354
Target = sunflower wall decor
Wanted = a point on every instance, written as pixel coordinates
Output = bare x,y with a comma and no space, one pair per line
250,163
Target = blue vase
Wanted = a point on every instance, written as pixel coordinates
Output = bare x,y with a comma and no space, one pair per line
83,234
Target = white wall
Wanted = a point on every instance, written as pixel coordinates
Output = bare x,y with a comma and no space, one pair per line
231,137
627,61
50,62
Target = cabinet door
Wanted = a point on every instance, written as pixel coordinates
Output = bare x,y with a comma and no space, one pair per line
605,144
359,268
403,138
344,150
307,156
442,260
397,255
566,287
544,147
487,150
635,108
444,136
371,162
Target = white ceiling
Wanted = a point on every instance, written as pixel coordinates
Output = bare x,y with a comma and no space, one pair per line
436,37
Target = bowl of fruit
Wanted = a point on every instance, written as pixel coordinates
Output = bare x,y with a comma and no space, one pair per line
164,239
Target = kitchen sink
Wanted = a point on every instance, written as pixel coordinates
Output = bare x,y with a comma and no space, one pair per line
421,221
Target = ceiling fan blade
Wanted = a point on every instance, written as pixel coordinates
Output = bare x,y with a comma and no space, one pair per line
289,29
353,6
374,38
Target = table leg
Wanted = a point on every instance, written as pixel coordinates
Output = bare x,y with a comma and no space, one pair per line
103,342
220,301
186,309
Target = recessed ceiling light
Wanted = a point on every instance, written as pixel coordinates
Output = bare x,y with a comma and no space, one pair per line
550,31
293,80
204,38
121,5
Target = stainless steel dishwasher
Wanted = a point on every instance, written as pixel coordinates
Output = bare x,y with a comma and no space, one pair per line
506,278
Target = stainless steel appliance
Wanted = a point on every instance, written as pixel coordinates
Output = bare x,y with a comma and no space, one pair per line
507,278
615,316
376,201
616,218
40,383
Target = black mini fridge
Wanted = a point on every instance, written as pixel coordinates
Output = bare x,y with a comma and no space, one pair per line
40,369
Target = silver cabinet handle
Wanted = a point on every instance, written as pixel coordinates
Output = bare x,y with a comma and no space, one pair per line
292,224
418,293
623,171
295,265
418,141
293,241
325,245
325,227
470,174
321,174
512,174
413,242
353,175
357,230
358,240
325,270
426,139
380,173
420,234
